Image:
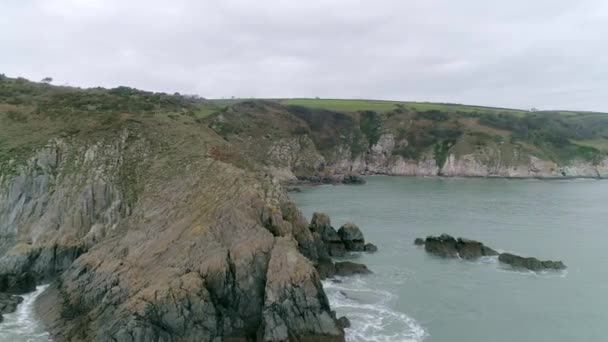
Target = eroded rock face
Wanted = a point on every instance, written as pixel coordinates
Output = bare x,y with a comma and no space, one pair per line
530,263
293,285
446,246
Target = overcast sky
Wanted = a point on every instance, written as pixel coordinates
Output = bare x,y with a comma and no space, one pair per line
518,53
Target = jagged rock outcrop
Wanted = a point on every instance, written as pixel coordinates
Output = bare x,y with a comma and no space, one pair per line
348,238
447,246
321,224
530,263
293,287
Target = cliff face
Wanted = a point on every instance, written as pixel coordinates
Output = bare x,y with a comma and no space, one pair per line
321,145
492,161
148,233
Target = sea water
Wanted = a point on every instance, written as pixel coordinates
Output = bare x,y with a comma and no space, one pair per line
413,296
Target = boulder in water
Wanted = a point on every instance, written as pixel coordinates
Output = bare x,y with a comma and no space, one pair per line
447,246
443,246
370,248
419,242
347,268
471,249
352,237
344,322
530,263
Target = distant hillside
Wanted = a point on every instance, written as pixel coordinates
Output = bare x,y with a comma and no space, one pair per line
421,131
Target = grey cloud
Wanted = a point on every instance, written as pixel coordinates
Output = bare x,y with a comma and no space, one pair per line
547,54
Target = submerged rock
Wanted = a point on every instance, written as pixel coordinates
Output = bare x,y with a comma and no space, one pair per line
419,242
370,248
530,263
447,246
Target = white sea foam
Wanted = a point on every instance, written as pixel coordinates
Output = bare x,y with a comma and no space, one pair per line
368,309
23,325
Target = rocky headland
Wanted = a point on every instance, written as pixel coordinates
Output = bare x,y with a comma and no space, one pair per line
158,217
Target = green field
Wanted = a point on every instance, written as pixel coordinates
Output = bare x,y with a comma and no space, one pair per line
385,106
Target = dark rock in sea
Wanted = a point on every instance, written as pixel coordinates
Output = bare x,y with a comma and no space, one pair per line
321,224
447,246
443,246
347,268
9,302
419,242
353,179
352,237
294,189
471,249
370,248
344,322
530,263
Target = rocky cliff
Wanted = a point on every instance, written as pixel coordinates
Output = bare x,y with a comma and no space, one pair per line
148,233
